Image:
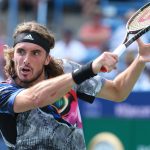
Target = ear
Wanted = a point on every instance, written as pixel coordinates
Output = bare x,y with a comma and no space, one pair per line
47,60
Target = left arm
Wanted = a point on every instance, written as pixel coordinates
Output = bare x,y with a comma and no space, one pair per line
122,85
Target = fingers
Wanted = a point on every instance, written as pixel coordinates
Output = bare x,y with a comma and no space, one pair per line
105,63
113,56
109,61
142,44
111,68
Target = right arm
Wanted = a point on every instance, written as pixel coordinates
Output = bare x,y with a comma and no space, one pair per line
43,93
49,91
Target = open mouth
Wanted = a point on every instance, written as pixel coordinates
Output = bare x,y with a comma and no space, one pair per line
25,70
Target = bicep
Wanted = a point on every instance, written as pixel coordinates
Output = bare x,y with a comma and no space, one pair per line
109,91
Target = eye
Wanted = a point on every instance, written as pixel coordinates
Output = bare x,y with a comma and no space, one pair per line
21,51
36,53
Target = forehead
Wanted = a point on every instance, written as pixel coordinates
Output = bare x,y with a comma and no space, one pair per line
29,46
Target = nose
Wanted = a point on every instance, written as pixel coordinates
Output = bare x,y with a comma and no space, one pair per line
26,60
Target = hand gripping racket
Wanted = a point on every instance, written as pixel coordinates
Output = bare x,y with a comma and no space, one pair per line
137,25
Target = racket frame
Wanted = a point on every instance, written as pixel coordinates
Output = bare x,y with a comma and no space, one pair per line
138,33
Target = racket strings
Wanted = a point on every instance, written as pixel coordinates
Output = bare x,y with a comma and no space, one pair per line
140,20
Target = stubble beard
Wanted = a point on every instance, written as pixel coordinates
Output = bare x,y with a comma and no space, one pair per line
32,81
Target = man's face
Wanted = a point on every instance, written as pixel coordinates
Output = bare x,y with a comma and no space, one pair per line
29,60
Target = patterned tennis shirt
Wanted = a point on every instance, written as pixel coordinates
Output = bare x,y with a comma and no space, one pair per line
53,127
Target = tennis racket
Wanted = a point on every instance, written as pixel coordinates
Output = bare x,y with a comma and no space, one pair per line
137,25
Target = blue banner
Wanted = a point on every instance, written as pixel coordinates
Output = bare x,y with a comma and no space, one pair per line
137,105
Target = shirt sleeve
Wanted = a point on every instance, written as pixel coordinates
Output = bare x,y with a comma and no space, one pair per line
8,94
88,89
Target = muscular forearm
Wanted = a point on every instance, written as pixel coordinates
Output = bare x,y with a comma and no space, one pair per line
119,89
43,93
122,85
126,80
49,91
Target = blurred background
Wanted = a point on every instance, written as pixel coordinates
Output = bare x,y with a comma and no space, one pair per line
83,30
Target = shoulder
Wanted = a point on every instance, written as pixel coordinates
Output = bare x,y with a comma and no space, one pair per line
8,93
70,66
6,86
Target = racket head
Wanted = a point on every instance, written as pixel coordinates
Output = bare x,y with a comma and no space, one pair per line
139,20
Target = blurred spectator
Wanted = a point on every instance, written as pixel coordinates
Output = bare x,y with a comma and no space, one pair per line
94,34
111,17
28,9
3,5
28,5
70,48
88,6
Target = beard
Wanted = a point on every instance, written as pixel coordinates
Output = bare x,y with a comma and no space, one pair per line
29,82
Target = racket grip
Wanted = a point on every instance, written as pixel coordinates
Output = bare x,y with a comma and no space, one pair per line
103,69
120,50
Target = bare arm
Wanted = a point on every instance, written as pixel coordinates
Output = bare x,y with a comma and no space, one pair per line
49,91
119,89
43,93
122,85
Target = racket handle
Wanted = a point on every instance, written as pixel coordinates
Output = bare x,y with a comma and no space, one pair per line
120,50
103,69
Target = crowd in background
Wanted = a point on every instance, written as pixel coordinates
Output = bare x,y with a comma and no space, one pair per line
101,29
89,30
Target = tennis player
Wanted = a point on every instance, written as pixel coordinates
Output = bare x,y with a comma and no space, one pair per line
38,102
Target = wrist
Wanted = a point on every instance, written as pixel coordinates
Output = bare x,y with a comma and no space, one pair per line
83,73
96,67
140,60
